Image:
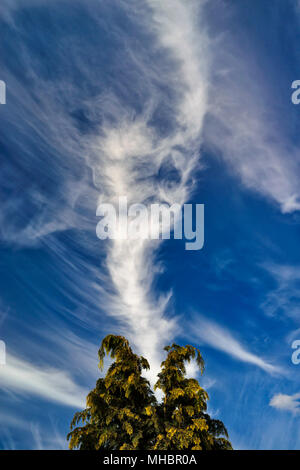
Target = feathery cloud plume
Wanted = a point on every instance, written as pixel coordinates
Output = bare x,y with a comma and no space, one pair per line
131,151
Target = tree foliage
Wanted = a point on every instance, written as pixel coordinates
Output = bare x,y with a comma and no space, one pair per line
123,413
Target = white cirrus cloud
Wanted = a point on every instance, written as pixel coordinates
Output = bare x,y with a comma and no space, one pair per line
130,148
47,383
248,126
286,402
220,338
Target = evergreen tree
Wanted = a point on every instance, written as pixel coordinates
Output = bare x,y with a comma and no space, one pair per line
115,417
123,414
181,421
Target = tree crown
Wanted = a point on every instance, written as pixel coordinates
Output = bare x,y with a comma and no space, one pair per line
123,413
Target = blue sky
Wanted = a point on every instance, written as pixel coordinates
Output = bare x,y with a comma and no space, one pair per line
186,102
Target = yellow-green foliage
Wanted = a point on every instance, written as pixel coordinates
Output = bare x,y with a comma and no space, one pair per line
123,413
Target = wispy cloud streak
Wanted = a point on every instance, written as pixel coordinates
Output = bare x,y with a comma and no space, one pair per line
220,338
47,383
247,125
